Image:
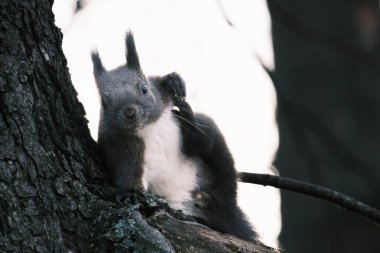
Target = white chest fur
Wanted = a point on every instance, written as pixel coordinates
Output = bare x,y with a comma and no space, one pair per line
166,171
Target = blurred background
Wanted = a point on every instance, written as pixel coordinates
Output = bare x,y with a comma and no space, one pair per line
318,121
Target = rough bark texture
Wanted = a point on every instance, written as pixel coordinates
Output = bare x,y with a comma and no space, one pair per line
45,142
47,158
327,56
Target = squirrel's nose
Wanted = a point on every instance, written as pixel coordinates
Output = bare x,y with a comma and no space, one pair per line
130,111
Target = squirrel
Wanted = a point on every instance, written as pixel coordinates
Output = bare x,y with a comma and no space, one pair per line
150,138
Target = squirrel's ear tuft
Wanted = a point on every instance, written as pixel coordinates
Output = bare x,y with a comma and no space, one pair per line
131,53
97,63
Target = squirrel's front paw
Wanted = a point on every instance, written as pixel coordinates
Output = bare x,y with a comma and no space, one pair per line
175,84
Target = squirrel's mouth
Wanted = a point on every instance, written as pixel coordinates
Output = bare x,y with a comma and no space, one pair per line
132,127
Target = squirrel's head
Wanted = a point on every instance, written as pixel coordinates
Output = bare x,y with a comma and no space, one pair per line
128,100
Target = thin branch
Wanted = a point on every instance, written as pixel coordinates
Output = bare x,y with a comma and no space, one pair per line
313,190
224,14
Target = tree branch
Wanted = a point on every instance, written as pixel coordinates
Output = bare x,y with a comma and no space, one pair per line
313,190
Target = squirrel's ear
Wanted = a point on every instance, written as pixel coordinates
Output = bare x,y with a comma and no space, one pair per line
97,63
131,53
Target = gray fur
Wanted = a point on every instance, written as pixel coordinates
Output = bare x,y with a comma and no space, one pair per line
122,91
122,88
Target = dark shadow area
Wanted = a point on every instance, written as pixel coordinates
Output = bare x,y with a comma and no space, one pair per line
327,78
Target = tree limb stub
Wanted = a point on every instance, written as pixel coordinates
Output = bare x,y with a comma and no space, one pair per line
182,235
147,223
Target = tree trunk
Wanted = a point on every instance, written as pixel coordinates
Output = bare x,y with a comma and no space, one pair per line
46,152
327,56
47,160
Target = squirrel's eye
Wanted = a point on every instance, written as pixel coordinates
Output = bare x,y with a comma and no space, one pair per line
144,89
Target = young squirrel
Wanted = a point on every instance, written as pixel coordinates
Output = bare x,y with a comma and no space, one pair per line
180,155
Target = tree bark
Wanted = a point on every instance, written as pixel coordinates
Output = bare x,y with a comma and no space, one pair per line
48,159
46,152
